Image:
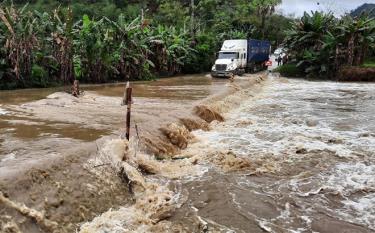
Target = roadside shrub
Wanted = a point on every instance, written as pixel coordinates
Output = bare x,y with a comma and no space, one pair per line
370,63
289,70
356,74
203,56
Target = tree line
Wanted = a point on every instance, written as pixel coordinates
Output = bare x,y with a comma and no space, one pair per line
49,42
323,44
44,44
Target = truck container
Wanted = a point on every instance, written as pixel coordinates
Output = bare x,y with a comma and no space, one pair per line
239,56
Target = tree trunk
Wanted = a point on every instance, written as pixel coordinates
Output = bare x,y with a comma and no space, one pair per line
358,56
351,50
263,24
192,23
365,47
337,53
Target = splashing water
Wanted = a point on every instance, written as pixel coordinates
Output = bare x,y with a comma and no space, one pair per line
312,144
299,157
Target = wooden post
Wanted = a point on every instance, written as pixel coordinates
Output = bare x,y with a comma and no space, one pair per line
128,102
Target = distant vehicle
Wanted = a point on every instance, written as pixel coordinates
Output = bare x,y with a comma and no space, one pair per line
239,56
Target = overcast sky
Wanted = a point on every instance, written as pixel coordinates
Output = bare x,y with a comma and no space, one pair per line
339,7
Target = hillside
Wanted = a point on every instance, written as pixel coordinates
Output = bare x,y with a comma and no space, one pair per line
364,8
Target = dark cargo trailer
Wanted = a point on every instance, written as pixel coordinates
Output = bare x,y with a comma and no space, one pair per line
258,53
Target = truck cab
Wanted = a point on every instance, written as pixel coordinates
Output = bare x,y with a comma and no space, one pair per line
231,60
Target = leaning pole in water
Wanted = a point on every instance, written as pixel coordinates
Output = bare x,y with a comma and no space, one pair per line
128,102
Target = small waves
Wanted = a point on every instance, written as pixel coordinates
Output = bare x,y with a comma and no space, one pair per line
317,142
357,183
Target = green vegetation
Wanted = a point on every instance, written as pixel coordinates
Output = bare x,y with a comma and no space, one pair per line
49,42
370,63
323,44
290,70
54,42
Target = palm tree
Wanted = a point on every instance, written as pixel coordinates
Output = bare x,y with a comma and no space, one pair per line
264,9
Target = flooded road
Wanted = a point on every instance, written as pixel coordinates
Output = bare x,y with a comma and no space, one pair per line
290,156
33,128
313,147
47,136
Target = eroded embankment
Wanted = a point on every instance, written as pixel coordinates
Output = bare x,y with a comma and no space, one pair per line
176,136
154,182
66,194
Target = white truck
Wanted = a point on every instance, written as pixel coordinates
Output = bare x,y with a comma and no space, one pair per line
238,56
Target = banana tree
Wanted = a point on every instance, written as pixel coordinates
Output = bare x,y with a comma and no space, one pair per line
309,31
20,40
176,45
360,35
133,52
57,45
311,40
94,44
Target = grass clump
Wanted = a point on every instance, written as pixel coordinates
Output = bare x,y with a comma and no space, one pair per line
370,63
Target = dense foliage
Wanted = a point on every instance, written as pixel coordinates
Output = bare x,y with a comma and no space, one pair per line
323,44
53,42
290,70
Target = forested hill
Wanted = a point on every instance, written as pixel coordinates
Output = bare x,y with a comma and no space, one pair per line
364,8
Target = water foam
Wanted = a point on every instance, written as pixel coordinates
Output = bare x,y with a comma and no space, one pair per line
154,201
288,122
325,123
9,157
353,179
362,209
3,111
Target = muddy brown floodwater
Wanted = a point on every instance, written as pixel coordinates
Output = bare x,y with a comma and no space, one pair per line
254,155
46,136
312,145
37,124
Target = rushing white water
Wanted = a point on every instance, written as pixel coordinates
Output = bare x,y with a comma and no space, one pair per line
288,116
299,157
325,132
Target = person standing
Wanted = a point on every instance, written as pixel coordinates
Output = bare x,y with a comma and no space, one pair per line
279,59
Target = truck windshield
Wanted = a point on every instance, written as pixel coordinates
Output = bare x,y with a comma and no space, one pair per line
228,55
